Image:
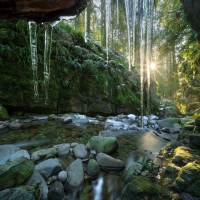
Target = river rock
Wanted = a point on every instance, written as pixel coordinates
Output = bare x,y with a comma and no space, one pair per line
131,117
56,191
103,144
43,154
49,167
51,117
20,153
6,151
15,124
75,175
29,192
63,149
15,172
133,127
37,178
92,169
62,176
134,169
3,124
108,163
168,122
80,151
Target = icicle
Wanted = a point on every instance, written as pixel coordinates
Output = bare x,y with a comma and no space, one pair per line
128,32
34,58
149,49
86,31
47,54
108,14
141,49
134,12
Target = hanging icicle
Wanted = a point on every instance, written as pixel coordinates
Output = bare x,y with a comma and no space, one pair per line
128,32
34,58
108,15
47,54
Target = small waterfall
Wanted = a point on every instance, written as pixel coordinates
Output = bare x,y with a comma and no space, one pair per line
98,187
108,15
128,31
34,58
47,54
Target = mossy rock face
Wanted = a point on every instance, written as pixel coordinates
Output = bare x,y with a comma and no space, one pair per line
194,141
29,192
188,175
140,187
194,188
3,112
182,156
169,122
188,127
16,172
197,121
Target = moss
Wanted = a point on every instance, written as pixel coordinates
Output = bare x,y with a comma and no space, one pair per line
3,112
194,188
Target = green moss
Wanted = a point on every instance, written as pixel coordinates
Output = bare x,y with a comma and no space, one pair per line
3,112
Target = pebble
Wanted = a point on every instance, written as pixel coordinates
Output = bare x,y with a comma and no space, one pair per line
62,176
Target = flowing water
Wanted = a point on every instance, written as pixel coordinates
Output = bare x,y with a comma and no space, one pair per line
42,134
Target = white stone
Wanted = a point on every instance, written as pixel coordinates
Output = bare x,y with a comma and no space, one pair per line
62,176
20,153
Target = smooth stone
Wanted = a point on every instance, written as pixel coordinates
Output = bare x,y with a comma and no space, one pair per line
15,124
103,144
109,163
132,117
3,124
6,151
62,176
20,153
49,167
73,144
29,192
15,172
80,151
75,175
56,191
92,169
63,149
37,178
43,154
133,127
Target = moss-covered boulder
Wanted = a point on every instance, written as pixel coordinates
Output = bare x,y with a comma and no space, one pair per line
139,188
29,192
102,144
188,178
3,113
169,122
16,172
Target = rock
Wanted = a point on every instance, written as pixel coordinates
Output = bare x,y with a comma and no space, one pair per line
37,178
43,154
134,169
3,124
67,120
145,121
197,121
73,144
62,176
103,144
20,153
62,149
42,11
29,192
3,113
80,151
108,163
51,117
194,141
172,168
16,172
133,127
75,175
49,167
15,124
115,125
56,191
92,169
131,117
6,151
168,122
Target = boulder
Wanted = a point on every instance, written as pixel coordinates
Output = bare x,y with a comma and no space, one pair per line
168,122
37,178
56,191
108,163
20,153
15,172
75,175
43,154
15,124
102,144
49,167
62,149
3,113
80,151
92,169
29,192
6,151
